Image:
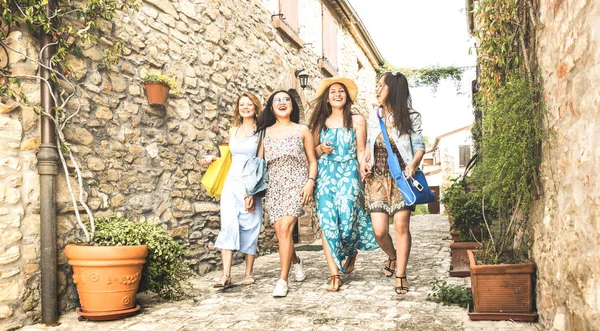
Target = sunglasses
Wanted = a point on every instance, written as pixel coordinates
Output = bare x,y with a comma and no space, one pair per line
282,100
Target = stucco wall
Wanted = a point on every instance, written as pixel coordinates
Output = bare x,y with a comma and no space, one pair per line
566,222
142,161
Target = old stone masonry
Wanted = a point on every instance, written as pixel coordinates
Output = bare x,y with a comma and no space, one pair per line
366,299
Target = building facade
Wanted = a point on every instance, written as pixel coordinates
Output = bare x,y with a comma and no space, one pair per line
141,161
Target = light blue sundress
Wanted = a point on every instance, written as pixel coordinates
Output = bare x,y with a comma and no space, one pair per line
345,224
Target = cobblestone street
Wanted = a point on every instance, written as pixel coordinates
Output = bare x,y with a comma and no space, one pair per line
365,301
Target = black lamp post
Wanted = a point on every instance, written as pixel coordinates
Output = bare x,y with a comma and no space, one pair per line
302,75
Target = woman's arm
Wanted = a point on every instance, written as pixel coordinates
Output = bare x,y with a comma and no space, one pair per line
360,127
417,144
309,150
209,158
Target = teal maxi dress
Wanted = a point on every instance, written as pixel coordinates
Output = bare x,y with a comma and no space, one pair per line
346,226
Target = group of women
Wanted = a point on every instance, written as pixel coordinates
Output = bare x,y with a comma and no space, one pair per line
327,160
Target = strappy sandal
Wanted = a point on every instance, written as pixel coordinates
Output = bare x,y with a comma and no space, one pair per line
248,280
387,267
349,264
225,281
399,289
333,288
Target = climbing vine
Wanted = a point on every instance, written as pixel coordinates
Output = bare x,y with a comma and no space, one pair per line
509,113
71,26
429,76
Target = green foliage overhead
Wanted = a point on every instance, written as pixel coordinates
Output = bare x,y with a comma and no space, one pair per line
428,76
165,272
448,294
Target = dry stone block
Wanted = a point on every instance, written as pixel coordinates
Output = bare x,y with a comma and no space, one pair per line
9,195
9,237
7,106
104,113
79,135
10,272
9,256
95,164
10,221
204,207
165,6
5,312
31,144
77,66
10,129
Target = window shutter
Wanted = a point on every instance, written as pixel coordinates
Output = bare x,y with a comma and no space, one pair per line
330,48
289,9
464,155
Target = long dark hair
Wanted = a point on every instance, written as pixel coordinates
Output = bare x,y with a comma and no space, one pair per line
267,117
398,101
321,109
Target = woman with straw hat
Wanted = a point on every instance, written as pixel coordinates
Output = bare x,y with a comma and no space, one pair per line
341,137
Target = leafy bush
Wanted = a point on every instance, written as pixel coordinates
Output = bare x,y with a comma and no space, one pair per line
465,210
448,294
421,210
157,78
165,272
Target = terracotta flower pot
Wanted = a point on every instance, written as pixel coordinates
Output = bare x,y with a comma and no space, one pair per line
107,279
157,93
455,235
502,291
459,262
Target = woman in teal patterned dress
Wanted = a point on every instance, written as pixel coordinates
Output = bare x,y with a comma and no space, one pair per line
345,226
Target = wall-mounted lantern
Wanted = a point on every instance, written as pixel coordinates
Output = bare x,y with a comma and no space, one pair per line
302,75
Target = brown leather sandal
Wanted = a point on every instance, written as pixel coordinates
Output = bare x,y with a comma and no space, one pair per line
387,267
225,281
334,280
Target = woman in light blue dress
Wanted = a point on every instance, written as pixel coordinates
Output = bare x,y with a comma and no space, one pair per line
241,215
345,226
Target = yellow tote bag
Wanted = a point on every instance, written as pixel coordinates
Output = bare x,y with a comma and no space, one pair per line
215,175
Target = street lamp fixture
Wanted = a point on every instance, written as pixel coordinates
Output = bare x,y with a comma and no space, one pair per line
302,75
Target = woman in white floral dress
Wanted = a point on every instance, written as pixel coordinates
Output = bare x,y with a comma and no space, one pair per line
287,148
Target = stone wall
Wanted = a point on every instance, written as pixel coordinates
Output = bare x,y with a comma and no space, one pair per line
141,161
19,192
566,222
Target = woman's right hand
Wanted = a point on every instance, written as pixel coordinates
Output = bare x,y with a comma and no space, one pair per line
326,148
365,169
208,159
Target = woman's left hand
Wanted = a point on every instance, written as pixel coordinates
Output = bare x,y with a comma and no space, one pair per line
409,171
307,192
249,204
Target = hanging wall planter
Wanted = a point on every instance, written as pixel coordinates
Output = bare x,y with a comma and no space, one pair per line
157,88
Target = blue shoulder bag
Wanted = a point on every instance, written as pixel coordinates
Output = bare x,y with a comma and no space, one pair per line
415,190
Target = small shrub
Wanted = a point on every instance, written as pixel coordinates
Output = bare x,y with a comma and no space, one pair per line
421,210
448,294
165,272
157,78
465,210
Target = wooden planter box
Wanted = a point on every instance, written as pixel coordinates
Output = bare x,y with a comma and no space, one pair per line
459,262
503,291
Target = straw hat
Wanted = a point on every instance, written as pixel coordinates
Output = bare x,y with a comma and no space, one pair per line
349,83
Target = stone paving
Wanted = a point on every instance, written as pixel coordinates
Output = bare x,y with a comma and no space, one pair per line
365,301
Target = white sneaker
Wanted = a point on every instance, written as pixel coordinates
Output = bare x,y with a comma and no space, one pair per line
298,270
281,288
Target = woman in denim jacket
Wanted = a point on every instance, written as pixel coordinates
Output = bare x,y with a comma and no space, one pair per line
382,196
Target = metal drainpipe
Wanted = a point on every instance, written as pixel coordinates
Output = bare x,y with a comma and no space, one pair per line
48,169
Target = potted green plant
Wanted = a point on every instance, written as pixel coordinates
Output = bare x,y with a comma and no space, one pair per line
466,223
158,87
107,271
